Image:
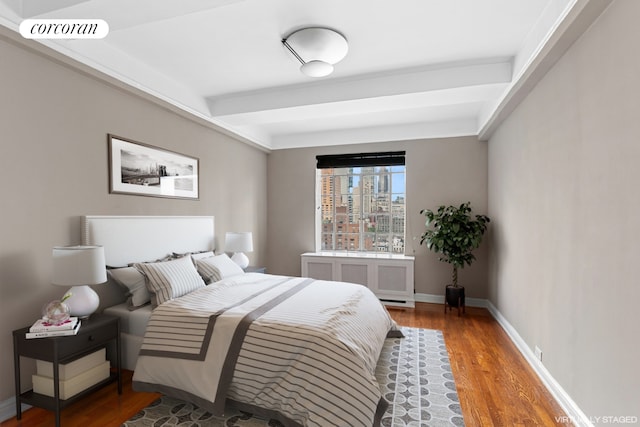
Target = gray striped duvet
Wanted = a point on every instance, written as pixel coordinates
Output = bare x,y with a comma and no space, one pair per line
298,350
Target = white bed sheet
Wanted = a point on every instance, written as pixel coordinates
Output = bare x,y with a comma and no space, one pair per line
132,327
133,322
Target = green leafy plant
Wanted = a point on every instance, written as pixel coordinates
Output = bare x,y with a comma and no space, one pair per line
454,233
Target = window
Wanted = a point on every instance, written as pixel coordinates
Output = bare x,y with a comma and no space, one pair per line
362,202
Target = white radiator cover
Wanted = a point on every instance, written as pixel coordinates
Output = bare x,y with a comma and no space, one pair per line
390,277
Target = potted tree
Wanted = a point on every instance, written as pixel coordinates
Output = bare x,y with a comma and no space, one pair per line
454,233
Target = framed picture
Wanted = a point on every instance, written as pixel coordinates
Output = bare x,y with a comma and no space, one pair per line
141,169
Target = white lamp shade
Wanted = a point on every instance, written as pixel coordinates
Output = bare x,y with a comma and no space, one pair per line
239,242
78,265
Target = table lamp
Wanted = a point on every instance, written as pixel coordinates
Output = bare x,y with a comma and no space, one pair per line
78,267
238,243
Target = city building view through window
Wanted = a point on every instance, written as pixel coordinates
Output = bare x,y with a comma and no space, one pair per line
363,209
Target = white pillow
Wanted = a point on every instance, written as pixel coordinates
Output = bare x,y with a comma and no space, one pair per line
170,279
217,268
134,282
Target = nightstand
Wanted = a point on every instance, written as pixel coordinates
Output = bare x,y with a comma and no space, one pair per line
95,333
252,269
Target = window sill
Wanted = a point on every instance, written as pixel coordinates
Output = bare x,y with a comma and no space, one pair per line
359,255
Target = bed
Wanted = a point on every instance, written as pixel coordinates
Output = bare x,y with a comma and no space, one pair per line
295,349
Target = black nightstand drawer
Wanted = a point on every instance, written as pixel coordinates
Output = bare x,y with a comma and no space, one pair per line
86,341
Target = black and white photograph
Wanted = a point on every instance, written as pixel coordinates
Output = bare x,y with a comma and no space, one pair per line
141,169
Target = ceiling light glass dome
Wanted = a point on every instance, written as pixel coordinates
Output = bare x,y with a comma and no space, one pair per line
317,49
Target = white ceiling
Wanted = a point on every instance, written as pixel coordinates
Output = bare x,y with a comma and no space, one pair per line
415,68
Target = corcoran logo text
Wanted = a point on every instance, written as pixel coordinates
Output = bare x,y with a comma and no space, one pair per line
64,28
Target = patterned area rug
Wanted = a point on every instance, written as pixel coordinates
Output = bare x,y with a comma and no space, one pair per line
414,376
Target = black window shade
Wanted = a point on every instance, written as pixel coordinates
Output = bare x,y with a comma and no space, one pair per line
389,158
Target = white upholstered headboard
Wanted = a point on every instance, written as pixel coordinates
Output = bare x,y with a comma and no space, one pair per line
129,239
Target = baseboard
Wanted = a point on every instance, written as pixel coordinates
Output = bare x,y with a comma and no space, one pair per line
439,299
8,408
574,413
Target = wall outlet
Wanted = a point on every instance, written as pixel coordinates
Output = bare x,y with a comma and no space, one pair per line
538,353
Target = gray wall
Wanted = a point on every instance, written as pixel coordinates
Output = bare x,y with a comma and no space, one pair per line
439,172
53,159
564,197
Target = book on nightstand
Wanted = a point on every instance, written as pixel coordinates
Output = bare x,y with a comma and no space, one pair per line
54,333
42,325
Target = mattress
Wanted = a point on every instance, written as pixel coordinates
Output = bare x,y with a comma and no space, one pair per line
131,322
132,327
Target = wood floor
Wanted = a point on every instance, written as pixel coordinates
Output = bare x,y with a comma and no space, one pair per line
495,384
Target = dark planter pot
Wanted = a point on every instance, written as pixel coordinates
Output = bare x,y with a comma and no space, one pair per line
454,298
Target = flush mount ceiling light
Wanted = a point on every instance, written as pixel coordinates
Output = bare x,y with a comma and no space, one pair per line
317,49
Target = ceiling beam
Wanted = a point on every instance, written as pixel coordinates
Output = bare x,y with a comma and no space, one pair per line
369,134
371,86
371,105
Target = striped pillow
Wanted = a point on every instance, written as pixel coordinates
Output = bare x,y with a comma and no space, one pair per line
170,279
135,283
217,268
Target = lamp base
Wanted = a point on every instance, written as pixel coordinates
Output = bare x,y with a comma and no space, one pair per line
82,302
241,259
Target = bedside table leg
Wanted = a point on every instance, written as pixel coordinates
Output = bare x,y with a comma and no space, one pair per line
119,360
56,386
